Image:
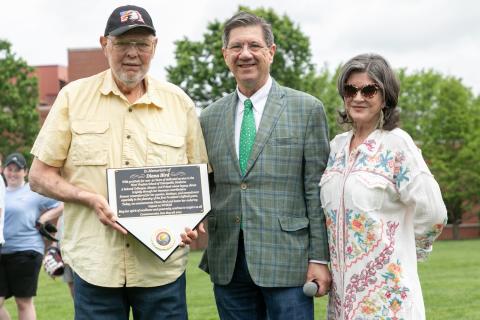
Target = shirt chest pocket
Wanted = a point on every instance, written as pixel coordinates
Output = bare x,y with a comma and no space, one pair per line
90,141
165,149
371,192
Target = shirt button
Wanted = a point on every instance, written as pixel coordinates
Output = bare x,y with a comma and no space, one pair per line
243,186
237,219
127,163
127,245
128,136
130,109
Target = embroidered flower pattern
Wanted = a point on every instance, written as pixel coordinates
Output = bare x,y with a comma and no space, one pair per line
401,176
362,161
387,301
336,162
370,144
383,163
331,160
364,230
425,241
367,281
331,223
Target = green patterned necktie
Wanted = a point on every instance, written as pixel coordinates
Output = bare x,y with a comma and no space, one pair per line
247,135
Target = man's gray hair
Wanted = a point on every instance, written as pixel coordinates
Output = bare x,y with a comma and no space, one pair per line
246,19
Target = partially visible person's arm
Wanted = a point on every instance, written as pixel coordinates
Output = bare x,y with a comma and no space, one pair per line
47,181
43,224
316,150
51,214
429,213
419,190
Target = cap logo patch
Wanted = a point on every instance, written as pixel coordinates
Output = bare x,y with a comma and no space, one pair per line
132,15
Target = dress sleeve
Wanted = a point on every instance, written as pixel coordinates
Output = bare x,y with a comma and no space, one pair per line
421,193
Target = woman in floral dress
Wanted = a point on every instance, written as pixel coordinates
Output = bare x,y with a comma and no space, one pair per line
382,205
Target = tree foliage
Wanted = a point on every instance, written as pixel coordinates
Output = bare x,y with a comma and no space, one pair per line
442,115
201,71
324,87
18,100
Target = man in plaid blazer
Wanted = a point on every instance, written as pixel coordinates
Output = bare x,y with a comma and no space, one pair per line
267,233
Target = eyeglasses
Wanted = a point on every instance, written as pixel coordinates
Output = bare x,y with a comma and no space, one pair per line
252,47
367,91
143,46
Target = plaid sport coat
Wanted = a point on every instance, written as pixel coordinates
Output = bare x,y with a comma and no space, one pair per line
277,201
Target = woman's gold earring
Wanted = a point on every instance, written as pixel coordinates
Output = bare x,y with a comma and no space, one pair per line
348,117
380,120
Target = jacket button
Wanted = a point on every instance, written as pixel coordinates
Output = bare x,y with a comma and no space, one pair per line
237,219
243,186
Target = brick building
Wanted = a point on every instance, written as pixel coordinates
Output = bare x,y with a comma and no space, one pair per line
85,62
51,78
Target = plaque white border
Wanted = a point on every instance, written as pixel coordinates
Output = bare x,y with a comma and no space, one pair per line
144,227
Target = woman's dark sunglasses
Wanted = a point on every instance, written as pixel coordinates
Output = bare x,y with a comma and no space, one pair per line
367,91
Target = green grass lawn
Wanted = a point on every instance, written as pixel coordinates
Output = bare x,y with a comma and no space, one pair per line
450,282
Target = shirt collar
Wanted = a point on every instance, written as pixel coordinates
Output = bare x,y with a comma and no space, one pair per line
371,144
260,95
151,97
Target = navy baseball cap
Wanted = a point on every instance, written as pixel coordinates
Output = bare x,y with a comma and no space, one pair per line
16,158
126,18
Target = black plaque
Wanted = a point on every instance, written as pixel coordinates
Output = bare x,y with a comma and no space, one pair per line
157,191
156,204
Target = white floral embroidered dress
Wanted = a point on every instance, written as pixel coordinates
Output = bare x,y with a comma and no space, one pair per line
383,209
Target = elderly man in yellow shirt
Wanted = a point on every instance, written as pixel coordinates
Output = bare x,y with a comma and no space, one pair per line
118,118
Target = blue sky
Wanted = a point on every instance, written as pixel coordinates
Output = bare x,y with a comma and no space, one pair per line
416,34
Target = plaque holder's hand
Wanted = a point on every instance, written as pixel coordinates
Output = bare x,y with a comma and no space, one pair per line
190,235
104,212
48,181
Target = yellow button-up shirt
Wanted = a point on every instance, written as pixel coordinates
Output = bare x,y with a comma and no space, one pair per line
92,127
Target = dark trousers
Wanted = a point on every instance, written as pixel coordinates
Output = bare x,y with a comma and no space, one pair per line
242,299
162,303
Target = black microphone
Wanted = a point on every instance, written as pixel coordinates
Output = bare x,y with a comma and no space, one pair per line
310,289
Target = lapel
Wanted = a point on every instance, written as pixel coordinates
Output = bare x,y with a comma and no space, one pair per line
229,129
273,109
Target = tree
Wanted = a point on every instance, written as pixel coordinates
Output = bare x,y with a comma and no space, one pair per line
201,71
18,100
324,86
442,115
